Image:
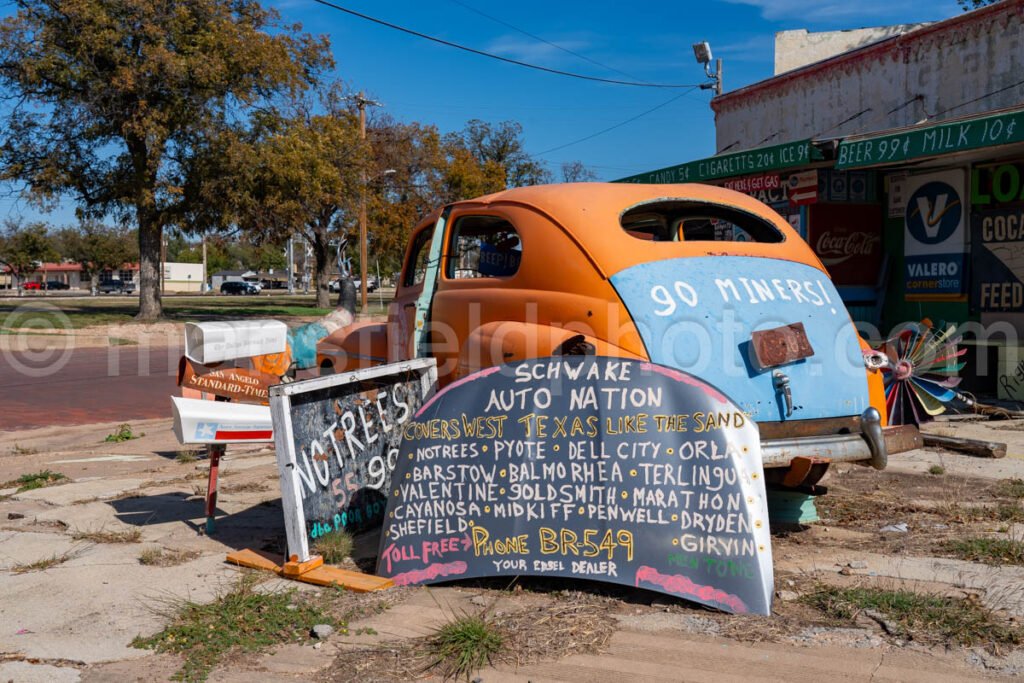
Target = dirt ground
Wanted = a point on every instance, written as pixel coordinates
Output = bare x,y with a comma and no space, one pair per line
71,601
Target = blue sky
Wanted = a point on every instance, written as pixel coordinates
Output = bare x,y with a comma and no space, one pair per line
421,81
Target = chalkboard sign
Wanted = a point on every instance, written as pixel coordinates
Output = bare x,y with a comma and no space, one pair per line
337,441
595,468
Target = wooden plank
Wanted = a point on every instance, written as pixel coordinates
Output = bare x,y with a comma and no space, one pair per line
256,559
327,575
979,449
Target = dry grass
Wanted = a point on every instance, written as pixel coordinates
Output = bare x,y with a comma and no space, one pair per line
45,563
335,547
528,635
922,617
166,557
248,487
187,455
103,536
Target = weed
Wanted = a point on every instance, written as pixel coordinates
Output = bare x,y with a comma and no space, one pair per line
1010,488
27,482
1009,512
936,469
248,487
104,536
988,550
366,631
45,563
239,620
23,450
915,616
163,557
186,455
124,433
464,645
335,547
121,341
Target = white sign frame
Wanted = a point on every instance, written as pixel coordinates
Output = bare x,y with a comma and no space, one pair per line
280,413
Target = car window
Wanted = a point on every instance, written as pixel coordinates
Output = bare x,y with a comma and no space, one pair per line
416,267
687,221
483,246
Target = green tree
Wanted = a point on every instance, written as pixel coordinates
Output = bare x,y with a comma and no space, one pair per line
98,248
415,170
24,247
111,101
503,144
299,172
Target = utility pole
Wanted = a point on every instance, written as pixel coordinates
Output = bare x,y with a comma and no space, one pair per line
291,266
718,77
361,103
202,287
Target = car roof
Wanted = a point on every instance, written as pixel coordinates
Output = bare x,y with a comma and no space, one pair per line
590,213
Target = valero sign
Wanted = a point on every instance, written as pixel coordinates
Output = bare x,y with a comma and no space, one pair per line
935,236
586,467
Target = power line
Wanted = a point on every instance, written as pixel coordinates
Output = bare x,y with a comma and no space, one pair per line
619,125
542,40
507,60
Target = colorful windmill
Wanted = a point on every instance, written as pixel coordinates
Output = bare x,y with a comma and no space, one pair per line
920,366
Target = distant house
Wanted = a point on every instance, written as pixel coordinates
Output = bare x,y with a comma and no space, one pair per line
69,274
183,277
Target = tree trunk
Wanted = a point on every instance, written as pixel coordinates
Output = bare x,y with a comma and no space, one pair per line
322,266
145,162
150,234
94,283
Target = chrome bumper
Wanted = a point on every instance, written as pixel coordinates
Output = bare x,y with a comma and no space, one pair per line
874,444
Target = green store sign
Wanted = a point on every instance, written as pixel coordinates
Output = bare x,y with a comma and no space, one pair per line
760,160
929,141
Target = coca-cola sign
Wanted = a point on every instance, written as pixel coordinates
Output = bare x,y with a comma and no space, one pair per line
834,248
848,240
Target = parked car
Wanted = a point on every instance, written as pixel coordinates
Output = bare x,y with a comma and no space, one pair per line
57,284
116,287
335,285
32,285
236,287
696,278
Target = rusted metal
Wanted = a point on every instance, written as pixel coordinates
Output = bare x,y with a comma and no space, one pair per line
799,469
237,384
818,427
901,438
215,451
781,345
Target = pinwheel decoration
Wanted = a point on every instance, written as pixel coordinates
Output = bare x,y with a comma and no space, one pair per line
920,365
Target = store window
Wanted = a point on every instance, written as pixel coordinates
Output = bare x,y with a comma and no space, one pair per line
483,246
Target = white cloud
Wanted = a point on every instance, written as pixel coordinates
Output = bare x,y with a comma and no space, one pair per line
526,50
866,12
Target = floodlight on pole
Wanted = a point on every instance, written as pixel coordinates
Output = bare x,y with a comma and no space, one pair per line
702,53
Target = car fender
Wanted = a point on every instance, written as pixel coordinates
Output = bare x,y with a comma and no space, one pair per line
357,346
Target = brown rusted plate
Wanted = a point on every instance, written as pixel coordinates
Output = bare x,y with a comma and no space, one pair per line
775,347
901,438
238,384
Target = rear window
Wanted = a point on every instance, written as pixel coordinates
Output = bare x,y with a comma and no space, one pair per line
688,221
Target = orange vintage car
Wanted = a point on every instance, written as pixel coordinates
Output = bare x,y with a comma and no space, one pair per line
694,277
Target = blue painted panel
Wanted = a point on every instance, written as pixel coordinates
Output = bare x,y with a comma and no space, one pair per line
697,314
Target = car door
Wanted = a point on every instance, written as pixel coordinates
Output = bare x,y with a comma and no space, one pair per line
402,309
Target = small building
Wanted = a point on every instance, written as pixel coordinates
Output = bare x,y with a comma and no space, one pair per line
183,277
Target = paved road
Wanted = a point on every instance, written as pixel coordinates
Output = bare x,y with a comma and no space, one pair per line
91,385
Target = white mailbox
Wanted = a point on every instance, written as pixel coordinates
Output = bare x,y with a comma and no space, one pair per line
213,342
218,422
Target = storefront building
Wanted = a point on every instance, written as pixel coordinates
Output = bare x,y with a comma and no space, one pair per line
914,200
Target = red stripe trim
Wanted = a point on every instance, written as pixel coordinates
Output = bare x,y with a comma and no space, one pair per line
248,434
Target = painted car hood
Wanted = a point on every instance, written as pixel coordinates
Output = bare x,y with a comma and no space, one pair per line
697,314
